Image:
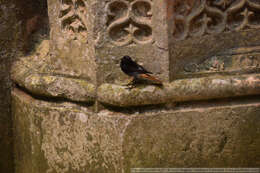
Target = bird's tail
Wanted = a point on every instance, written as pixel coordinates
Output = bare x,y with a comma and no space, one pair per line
150,78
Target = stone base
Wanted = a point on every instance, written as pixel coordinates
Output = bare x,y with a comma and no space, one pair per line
65,137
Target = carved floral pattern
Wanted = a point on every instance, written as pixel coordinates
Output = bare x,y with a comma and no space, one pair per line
200,17
129,21
73,17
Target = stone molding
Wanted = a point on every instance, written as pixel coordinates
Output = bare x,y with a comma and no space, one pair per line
180,90
65,137
34,74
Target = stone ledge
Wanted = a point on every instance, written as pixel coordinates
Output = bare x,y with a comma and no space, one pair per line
65,137
53,86
60,87
35,75
48,85
180,90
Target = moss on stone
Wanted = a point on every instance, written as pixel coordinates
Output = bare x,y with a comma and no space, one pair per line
64,137
34,74
180,90
68,138
139,96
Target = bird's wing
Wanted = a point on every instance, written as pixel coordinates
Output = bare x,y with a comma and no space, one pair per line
150,78
143,70
139,68
134,67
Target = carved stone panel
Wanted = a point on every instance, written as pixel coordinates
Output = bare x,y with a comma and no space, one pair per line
72,17
200,17
71,48
129,21
203,32
130,27
238,60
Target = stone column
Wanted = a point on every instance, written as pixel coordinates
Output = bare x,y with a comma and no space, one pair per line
206,114
9,27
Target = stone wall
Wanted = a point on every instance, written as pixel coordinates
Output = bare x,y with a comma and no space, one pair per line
17,27
220,34
65,137
73,113
8,31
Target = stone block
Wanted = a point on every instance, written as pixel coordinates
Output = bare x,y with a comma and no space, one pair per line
200,30
88,38
65,137
191,45
134,28
72,45
8,39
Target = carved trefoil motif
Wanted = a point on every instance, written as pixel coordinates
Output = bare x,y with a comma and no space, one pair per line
72,16
129,21
199,17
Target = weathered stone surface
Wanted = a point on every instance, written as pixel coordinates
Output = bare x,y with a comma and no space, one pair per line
34,23
60,87
32,64
221,135
8,38
35,74
203,44
122,96
72,45
64,137
134,28
199,30
88,38
180,90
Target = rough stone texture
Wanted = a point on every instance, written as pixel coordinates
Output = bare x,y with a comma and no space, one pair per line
64,137
36,75
15,33
72,46
109,30
216,136
34,23
117,95
138,29
203,44
180,90
200,30
8,31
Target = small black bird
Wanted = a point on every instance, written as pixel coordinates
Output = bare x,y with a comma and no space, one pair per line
131,68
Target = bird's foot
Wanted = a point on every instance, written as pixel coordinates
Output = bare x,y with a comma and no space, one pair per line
129,87
130,83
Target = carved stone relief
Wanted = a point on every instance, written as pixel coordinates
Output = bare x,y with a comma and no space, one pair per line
73,18
199,17
245,59
129,21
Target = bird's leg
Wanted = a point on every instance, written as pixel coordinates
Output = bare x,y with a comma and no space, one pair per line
130,82
129,87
